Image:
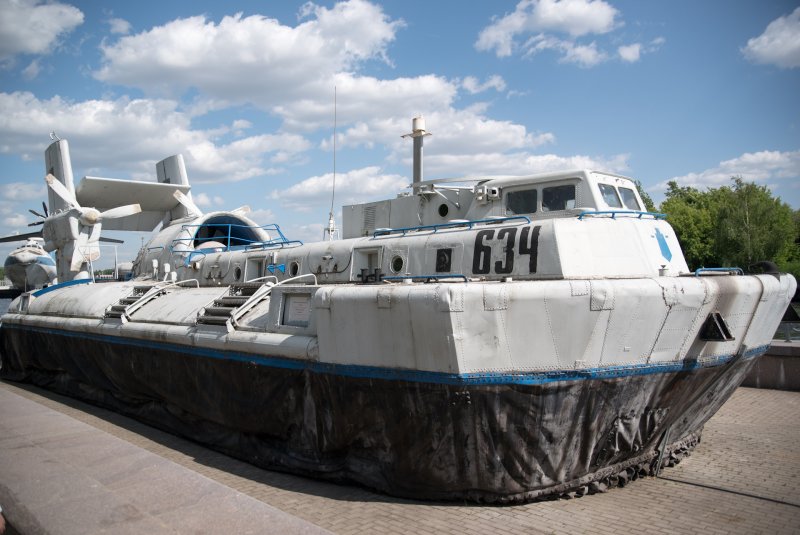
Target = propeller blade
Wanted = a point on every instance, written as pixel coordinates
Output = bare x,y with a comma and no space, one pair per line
121,211
110,240
36,223
78,254
188,203
242,210
37,214
21,237
45,209
61,190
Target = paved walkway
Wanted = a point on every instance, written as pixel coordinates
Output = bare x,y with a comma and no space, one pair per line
744,477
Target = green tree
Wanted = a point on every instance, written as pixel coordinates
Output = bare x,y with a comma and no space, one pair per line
752,225
649,205
692,213
735,225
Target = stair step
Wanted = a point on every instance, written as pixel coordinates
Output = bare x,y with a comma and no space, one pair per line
219,311
231,301
213,320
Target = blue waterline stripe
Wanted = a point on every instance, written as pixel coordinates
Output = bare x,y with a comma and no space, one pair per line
395,374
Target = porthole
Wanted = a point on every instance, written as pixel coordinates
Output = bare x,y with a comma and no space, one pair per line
443,210
397,264
294,269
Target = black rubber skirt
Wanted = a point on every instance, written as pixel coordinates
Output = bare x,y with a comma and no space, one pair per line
493,439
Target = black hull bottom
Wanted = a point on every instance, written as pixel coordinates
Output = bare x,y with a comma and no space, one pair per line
422,440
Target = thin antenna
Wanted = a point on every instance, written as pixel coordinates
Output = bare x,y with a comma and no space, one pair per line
332,230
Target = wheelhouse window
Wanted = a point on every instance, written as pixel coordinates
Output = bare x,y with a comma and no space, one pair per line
629,199
610,196
521,201
558,198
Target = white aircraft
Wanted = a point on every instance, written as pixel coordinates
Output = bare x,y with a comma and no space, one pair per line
29,266
76,217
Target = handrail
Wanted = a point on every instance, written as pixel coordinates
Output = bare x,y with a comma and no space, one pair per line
614,213
264,290
449,224
152,293
190,236
260,294
729,270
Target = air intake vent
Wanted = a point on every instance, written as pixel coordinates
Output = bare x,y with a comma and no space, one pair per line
715,329
369,219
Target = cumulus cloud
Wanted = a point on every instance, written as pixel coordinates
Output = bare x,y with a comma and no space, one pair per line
201,199
32,70
763,166
521,163
17,220
24,191
582,55
779,44
131,134
358,185
119,26
633,52
34,27
630,53
573,17
473,85
251,58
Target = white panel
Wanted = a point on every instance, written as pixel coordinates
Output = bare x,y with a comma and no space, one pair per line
104,193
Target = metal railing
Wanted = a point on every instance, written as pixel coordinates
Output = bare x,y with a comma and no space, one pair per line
615,213
233,237
468,224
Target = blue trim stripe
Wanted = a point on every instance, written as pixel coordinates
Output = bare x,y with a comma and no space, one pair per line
61,285
397,374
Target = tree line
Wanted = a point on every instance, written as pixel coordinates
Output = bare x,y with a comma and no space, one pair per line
738,225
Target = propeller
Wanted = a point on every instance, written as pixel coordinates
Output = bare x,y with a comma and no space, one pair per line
62,191
91,221
85,248
187,203
242,210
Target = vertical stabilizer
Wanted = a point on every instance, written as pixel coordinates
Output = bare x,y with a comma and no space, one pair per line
58,163
172,170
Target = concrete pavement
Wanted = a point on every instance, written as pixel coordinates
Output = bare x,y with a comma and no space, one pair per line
744,477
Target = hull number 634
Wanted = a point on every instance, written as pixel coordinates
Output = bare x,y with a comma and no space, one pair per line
510,252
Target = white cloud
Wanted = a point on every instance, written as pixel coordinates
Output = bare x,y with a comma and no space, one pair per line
630,53
201,199
131,134
263,216
633,52
254,58
24,191
31,71
34,27
17,220
779,44
582,55
119,26
358,185
520,163
573,17
760,166
473,85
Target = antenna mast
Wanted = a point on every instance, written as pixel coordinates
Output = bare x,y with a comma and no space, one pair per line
331,230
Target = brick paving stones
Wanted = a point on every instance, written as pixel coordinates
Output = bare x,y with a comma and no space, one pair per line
742,478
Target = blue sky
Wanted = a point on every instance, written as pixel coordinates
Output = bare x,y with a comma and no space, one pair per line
692,91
